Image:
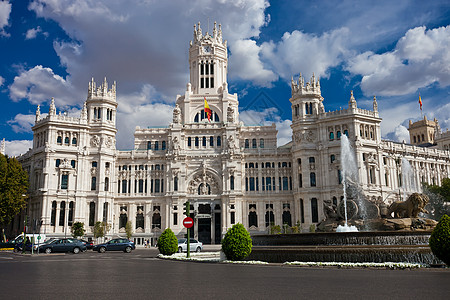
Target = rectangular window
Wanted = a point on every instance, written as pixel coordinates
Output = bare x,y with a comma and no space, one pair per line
124,186
252,183
212,80
202,69
189,142
202,82
212,69
285,183
233,217
141,185
207,83
64,181
94,164
175,218
149,145
157,185
156,145
211,141
300,181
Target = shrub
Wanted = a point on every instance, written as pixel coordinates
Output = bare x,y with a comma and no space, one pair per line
167,242
440,240
275,229
237,243
77,229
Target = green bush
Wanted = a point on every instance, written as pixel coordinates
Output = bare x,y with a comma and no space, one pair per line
440,240
167,242
237,243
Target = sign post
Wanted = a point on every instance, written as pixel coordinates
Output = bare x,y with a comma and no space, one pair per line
188,222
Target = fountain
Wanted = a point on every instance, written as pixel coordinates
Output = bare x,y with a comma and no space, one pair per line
403,238
349,170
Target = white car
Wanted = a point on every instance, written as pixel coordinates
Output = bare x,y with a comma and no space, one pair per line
194,245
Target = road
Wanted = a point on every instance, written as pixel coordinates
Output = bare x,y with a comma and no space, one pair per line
140,275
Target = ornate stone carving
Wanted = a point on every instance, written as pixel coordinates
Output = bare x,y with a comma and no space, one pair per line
411,207
230,114
95,141
203,183
177,114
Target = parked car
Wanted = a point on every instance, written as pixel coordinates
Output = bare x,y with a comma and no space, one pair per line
124,245
18,247
63,245
194,245
89,245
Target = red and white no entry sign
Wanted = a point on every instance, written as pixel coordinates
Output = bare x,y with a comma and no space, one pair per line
188,222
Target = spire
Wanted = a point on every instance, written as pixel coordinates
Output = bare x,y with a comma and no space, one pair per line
38,113
84,112
52,110
375,104
352,102
215,30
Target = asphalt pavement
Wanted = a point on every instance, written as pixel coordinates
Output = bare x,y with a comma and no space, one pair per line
141,275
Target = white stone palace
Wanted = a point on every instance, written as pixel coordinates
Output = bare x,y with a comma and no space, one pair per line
229,172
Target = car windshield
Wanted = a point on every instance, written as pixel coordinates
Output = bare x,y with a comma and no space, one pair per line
181,241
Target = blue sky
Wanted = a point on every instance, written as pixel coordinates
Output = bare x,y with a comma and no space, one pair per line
391,49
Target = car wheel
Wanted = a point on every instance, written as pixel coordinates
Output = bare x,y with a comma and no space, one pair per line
76,250
127,249
102,250
198,249
180,249
48,250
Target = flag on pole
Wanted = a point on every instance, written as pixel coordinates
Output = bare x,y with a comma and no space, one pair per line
208,110
420,102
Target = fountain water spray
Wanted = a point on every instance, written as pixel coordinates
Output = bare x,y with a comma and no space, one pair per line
408,179
349,171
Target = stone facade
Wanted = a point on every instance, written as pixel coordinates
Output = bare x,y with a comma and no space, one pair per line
229,172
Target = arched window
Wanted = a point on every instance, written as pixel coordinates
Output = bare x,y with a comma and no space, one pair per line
302,211
156,220
106,184
57,162
338,134
331,135
314,211
189,142
246,144
74,141
346,132
232,182
53,216
332,158
211,141
71,209
261,143
196,141
140,218
59,140
105,212
287,219
156,145
62,213
219,141
252,216
149,145
123,219
92,213
66,140
163,145
253,143
204,141
175,183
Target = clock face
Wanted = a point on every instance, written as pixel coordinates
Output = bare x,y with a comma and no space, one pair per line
206,49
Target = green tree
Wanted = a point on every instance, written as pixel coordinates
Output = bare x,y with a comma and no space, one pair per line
237,243
440,240
129,229
167,242
77,229
13,187
98,230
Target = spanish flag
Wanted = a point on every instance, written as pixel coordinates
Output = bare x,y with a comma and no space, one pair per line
208,110
420,102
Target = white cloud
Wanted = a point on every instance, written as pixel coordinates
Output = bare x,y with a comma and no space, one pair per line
17,147
39,84
267,117
33,32
247,65
2,80
306,53
420,58
5,11
22,123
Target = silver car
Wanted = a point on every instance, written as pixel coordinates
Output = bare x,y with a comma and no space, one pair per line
194,245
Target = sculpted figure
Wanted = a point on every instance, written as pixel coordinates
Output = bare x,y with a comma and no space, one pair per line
177,114
230,114
330,210
409,208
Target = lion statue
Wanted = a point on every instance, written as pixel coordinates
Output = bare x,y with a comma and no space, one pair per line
410,208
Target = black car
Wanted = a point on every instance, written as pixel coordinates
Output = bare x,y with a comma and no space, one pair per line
63,245
124,245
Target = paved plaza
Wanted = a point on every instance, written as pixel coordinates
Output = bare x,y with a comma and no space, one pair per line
140,275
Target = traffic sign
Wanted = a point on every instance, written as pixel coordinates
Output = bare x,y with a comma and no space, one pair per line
188,222
38,237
